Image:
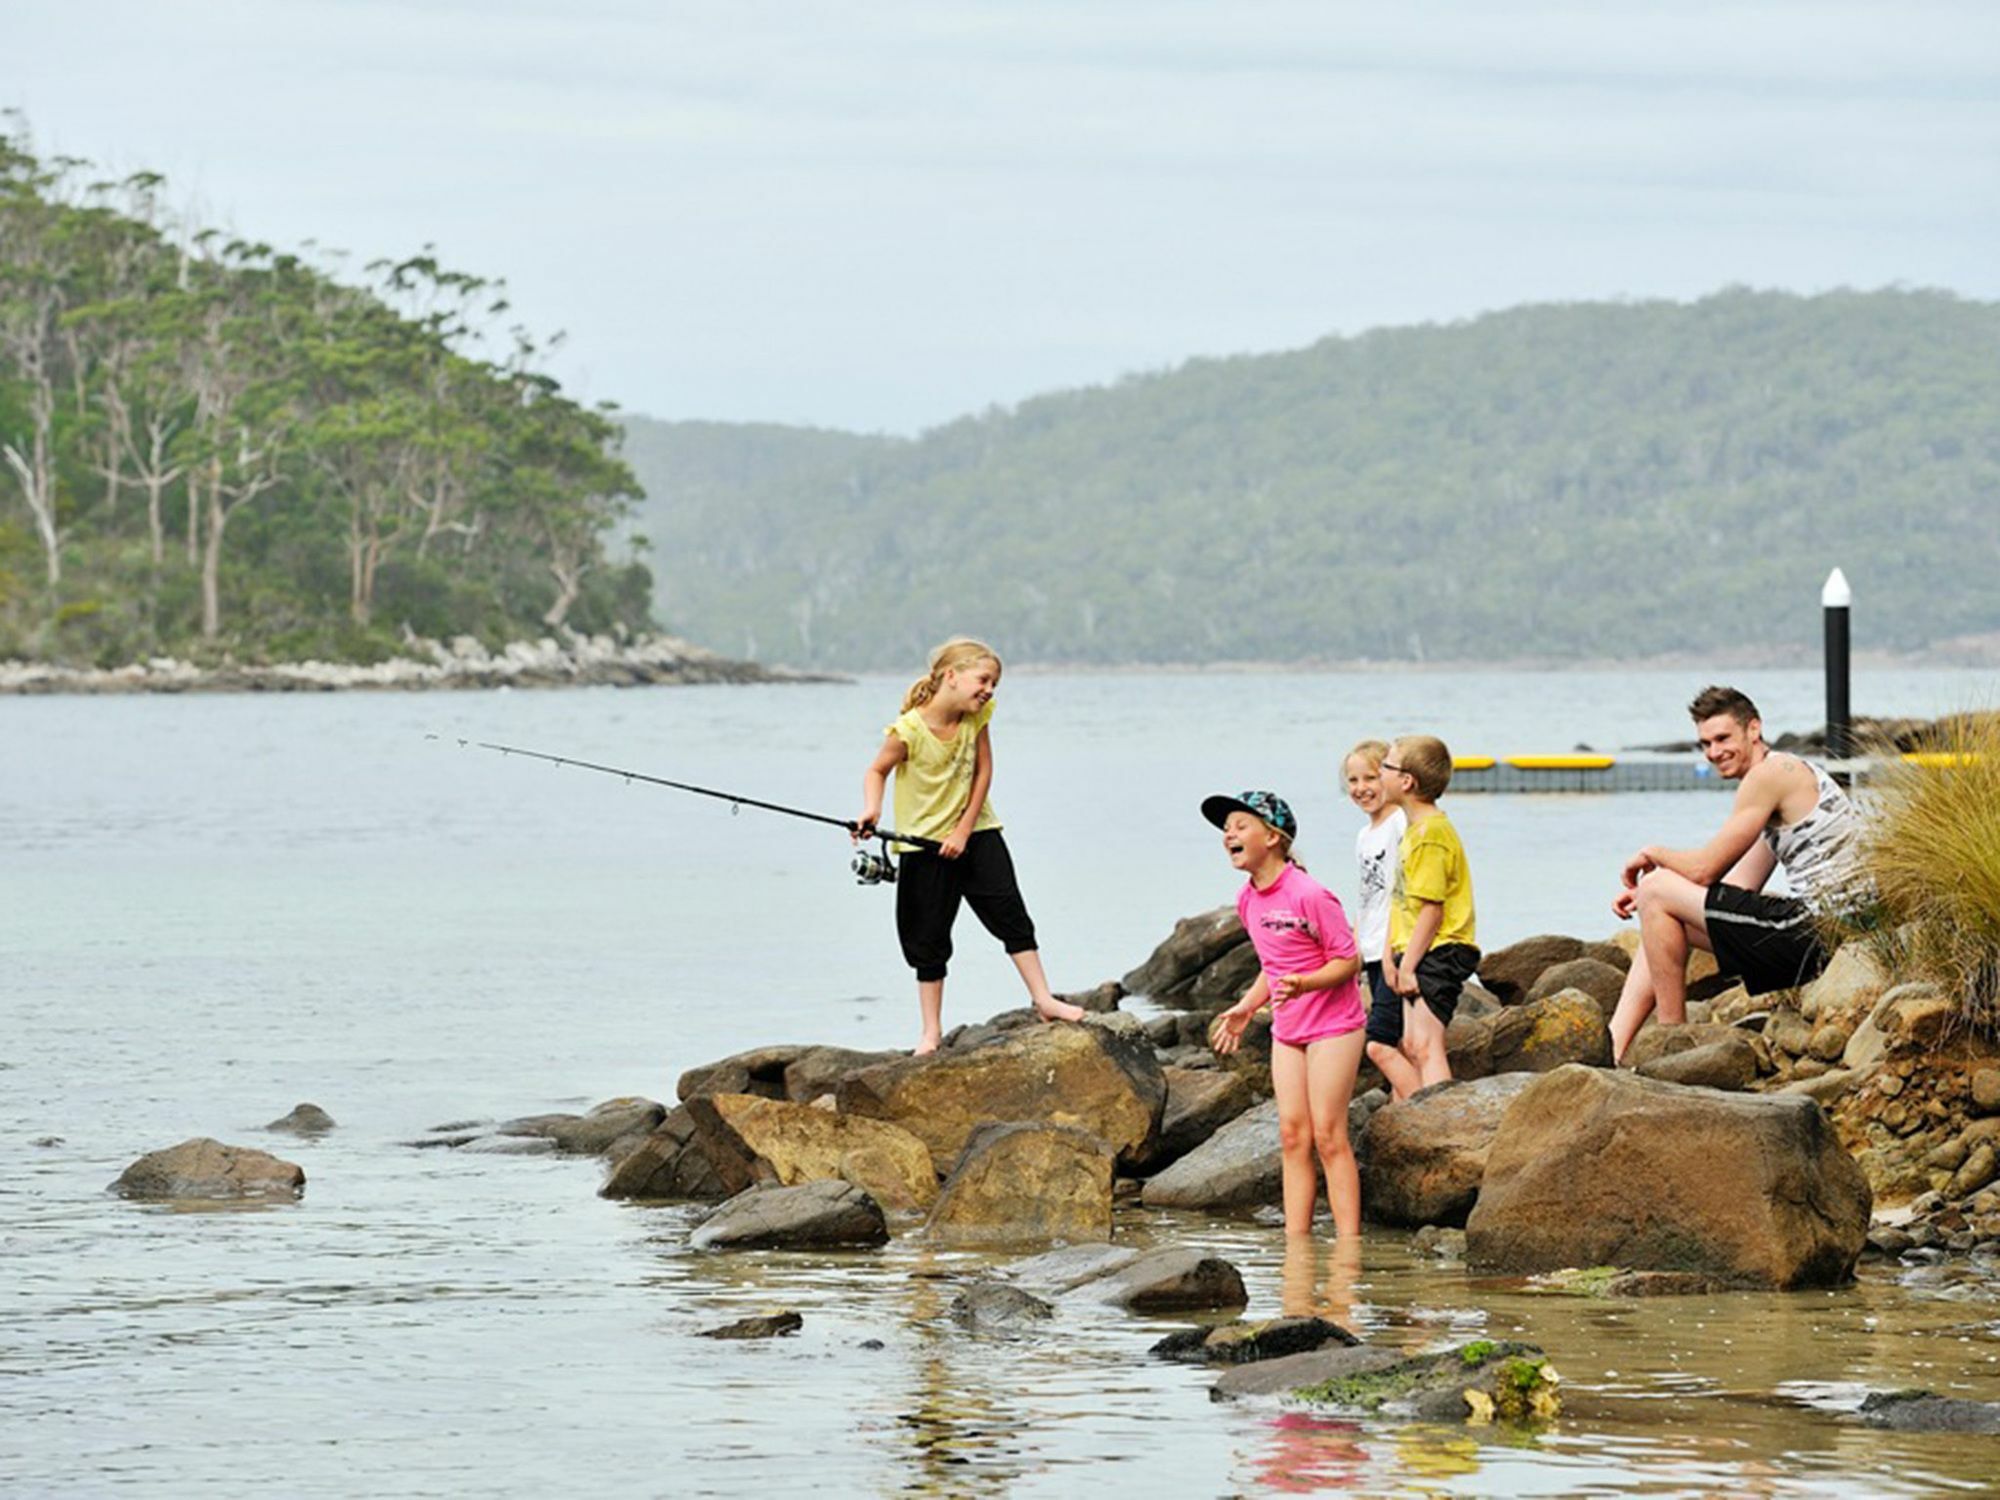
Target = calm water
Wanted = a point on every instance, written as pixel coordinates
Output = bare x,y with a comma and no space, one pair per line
213,908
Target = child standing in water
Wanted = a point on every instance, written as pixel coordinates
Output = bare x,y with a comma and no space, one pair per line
1375,850
941,754
1307,963
1430,955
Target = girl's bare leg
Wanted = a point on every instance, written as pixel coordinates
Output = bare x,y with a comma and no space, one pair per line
930,1005
1331,1063
1295,1135
1046,1005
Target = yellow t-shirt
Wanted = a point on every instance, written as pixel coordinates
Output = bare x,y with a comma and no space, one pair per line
1432,867
934,781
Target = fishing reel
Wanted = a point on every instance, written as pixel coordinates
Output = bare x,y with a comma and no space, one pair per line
874,867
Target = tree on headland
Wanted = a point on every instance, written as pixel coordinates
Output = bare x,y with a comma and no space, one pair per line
339,465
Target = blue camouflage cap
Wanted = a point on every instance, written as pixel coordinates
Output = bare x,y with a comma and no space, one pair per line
1268,806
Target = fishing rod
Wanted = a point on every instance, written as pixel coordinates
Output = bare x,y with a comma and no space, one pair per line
869,866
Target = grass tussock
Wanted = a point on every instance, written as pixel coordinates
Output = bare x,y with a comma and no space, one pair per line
1933,849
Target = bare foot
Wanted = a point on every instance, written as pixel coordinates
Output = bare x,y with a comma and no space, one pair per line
926,1047
1058,1010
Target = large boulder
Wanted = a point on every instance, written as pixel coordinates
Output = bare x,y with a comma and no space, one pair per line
1200,1101
812,1215
1026,1183
1542,1035
1593,1167
1427,1153
796,1072
1223,982
752,1139
206,1169
1195,943
1236,1168
1728,1063
1084,1075
668,1164
1508,973
1594,977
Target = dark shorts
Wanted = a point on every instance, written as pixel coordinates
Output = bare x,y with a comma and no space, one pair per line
929,889
1769,942
1385,1006
1442,974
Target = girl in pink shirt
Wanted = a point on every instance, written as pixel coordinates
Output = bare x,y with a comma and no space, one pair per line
1307,962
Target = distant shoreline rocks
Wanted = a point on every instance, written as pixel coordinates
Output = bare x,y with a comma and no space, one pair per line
571,661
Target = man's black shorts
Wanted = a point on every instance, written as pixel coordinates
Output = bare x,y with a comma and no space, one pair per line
1442,974
1769,942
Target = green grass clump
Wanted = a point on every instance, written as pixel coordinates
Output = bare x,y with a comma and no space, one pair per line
1933,851
1478,1351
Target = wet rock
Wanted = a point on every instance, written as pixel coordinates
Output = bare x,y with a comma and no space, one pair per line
1729,1063
1445,1244
994,1304
1480,1382
1427,1153
46,1142
1083,1076
1280,1377
1243,1343
206,1169
768,1326
669,1164
1847,989
1541,1035
1508,973
1199,1103
1616,1281
305,1119
812,1215
1887,1239
1195,943
593,1134
1921,1411
1067,1268
1592,1167
1172,1280
750,1139
1028,1183
1595,978
1236,1168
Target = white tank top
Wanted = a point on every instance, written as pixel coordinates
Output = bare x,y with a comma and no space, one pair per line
1820,852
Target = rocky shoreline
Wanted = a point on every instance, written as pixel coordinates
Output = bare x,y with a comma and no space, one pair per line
463,663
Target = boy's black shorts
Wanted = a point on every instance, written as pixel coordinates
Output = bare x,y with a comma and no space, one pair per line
930,887
1442,974
1769,942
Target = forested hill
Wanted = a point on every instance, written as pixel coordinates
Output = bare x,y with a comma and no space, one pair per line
1565,481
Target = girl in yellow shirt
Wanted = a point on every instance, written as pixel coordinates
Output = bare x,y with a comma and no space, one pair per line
941,754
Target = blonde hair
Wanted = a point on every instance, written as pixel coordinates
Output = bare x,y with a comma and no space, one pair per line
1372,751
1428,763
955,655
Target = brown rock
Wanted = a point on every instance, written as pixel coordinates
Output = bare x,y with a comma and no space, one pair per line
1195,943
808,1216
1238,1167
1566,1027
1914,1017
206,1169
1508,973
1223,982
1829,1041
305,1119
1826,1088
1475,1001
1593,1167
1082,1075
1788,1032
1729,1063
1986,1091
1980,1168
1468,1045
1026,1183
668,1164
1615,954
1172,1280
1595,978
1199,1103
1734,1004
607,1124
1427,1153
752,1139
760,1071
1846,989
1655,1041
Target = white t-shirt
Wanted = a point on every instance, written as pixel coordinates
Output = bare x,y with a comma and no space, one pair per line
1375,847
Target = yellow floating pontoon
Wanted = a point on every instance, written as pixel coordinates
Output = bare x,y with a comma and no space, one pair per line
1560,762
1936,760
1472,762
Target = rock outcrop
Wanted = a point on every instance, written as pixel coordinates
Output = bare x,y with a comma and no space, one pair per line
813,1215
206,1170
1026,1183
749,1139
1426,1154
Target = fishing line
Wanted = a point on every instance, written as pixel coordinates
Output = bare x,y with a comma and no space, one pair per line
869,867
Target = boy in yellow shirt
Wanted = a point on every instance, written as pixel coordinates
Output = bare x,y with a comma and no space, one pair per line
1431,951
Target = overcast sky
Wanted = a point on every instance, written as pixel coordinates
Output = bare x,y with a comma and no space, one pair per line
884,215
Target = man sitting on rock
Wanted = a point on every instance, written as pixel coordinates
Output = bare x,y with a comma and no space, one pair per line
1788,813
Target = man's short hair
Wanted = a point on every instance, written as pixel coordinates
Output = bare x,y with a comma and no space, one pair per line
1711,701
1428,762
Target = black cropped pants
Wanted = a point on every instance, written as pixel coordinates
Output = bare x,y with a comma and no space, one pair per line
929,889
